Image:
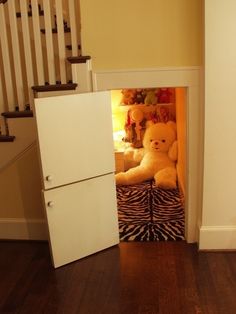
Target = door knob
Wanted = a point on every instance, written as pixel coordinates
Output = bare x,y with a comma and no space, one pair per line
49,178
50,204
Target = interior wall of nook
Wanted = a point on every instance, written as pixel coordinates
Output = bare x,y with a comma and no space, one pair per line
142,34
180,96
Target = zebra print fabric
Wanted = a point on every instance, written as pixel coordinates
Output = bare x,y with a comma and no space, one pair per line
147,213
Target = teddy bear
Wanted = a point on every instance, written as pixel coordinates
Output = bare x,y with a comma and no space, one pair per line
160,149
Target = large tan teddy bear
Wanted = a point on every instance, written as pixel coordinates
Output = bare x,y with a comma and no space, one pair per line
159,157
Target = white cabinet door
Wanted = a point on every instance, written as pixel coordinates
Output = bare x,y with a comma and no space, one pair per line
75,137
82,218
77,160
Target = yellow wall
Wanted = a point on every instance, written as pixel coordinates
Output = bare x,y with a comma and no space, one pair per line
139,34
117,34
118,116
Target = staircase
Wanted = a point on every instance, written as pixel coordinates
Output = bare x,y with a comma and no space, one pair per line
40,55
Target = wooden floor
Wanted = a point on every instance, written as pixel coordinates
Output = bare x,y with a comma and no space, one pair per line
132,278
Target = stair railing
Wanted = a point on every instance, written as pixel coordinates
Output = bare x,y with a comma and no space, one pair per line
34,36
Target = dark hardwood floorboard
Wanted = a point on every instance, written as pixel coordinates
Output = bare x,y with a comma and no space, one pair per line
132,278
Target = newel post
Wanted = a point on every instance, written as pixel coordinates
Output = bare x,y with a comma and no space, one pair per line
81,73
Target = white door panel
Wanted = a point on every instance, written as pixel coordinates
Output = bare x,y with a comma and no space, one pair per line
82,218
75,137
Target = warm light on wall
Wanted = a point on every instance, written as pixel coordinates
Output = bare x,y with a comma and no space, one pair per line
118,115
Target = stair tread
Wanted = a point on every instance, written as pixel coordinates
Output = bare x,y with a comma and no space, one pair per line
18,114
7,138
54,87
78,59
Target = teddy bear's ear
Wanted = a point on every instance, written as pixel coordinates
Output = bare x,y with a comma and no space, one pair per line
149,123
172,124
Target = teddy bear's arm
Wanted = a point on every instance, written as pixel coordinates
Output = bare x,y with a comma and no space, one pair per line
138,155
173,151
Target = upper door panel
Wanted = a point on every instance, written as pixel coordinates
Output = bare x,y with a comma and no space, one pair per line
75,137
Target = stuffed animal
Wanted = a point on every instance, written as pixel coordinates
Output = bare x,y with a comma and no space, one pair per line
128,96
151,98
164,95
134,127
159,157
139,97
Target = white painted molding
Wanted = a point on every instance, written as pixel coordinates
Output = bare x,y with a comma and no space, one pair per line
190,78
82,75
23,229
217,238
132,78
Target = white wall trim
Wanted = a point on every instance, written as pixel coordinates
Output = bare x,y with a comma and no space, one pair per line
132,78
184,68
23,229
217,238
81,74
191,78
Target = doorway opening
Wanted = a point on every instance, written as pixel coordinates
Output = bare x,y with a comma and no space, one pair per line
147,212
191,79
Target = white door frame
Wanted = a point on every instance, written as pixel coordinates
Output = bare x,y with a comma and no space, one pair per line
191,79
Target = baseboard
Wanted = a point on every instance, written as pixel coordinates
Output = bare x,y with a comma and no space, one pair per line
23,229
217,238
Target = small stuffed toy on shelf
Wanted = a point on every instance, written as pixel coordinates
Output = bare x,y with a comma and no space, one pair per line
159,158
164,95
128,96
151,98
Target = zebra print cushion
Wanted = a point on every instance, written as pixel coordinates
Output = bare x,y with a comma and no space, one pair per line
133,202
166,205
147,213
